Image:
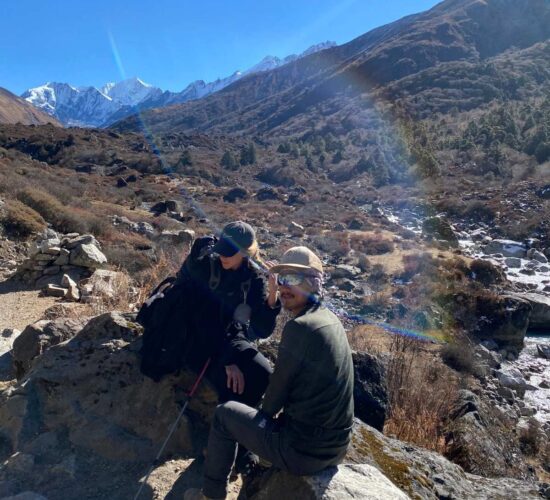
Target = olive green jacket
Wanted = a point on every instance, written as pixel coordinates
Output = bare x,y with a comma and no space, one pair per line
313,383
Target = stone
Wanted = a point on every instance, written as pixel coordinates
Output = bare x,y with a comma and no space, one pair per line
63,258
355,225
183,237
543,351
237,193
513,262
539,318
55,291
508,248
344,271
536,255
296,229
503,319
86,239
51,270
348,481
73,293
512,378
8,333
43,257
266,194
491,358
38,337
370,392
172,206
87,255
77,387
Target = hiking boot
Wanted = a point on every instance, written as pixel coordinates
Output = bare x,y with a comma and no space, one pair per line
197,494
245,464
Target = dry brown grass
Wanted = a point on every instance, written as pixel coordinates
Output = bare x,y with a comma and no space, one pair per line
421,393
421,390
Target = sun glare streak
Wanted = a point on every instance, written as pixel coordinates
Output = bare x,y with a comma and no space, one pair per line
116,56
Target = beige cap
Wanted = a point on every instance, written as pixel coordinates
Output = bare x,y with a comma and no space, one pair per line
298,259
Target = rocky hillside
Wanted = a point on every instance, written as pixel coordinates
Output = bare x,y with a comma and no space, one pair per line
15,110
350,76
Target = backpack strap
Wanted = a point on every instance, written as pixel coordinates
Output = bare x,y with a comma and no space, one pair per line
215,274
245,288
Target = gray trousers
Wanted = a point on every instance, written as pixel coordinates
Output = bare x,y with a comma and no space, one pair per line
238,423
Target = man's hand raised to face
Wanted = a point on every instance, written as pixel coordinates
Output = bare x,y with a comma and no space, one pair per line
235,379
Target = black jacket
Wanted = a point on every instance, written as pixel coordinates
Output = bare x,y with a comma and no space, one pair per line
213,295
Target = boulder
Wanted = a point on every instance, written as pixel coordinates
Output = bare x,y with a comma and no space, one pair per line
345,481
237,193
87,255
503,319
479,439
539,318
38,337
370,391
268,193
534,254
183,237
508,248
425,474
75,390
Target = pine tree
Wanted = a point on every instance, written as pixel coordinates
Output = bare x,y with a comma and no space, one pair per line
229,161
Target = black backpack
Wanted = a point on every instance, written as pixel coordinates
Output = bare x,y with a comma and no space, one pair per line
165,314
165,339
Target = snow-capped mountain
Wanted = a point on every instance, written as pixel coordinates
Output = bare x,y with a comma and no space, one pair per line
129,92
99,107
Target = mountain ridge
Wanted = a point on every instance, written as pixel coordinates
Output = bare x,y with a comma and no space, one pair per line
14,110
454,30
90,106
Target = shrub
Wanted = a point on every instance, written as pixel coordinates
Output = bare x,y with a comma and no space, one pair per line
63,218
371,244
21,220
421,394
459,356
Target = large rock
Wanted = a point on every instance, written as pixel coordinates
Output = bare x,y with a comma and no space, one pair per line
503,319
425,474
539,319
38,337
87,255
89,392
508,248
479,438
370,391
358,481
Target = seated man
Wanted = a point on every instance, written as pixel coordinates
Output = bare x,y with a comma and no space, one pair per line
312,384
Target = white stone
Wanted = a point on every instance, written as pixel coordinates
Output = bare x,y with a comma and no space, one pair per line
87,255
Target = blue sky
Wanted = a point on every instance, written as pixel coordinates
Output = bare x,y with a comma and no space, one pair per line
170,43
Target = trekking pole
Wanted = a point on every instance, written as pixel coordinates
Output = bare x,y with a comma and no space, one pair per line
174,425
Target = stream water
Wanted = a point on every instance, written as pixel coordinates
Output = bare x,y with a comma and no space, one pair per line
535,368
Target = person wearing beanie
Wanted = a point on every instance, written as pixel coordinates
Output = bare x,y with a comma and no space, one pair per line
304,423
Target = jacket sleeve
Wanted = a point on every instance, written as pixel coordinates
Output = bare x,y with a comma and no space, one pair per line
292,351
263,317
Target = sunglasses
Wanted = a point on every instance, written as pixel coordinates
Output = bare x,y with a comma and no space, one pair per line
290,279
